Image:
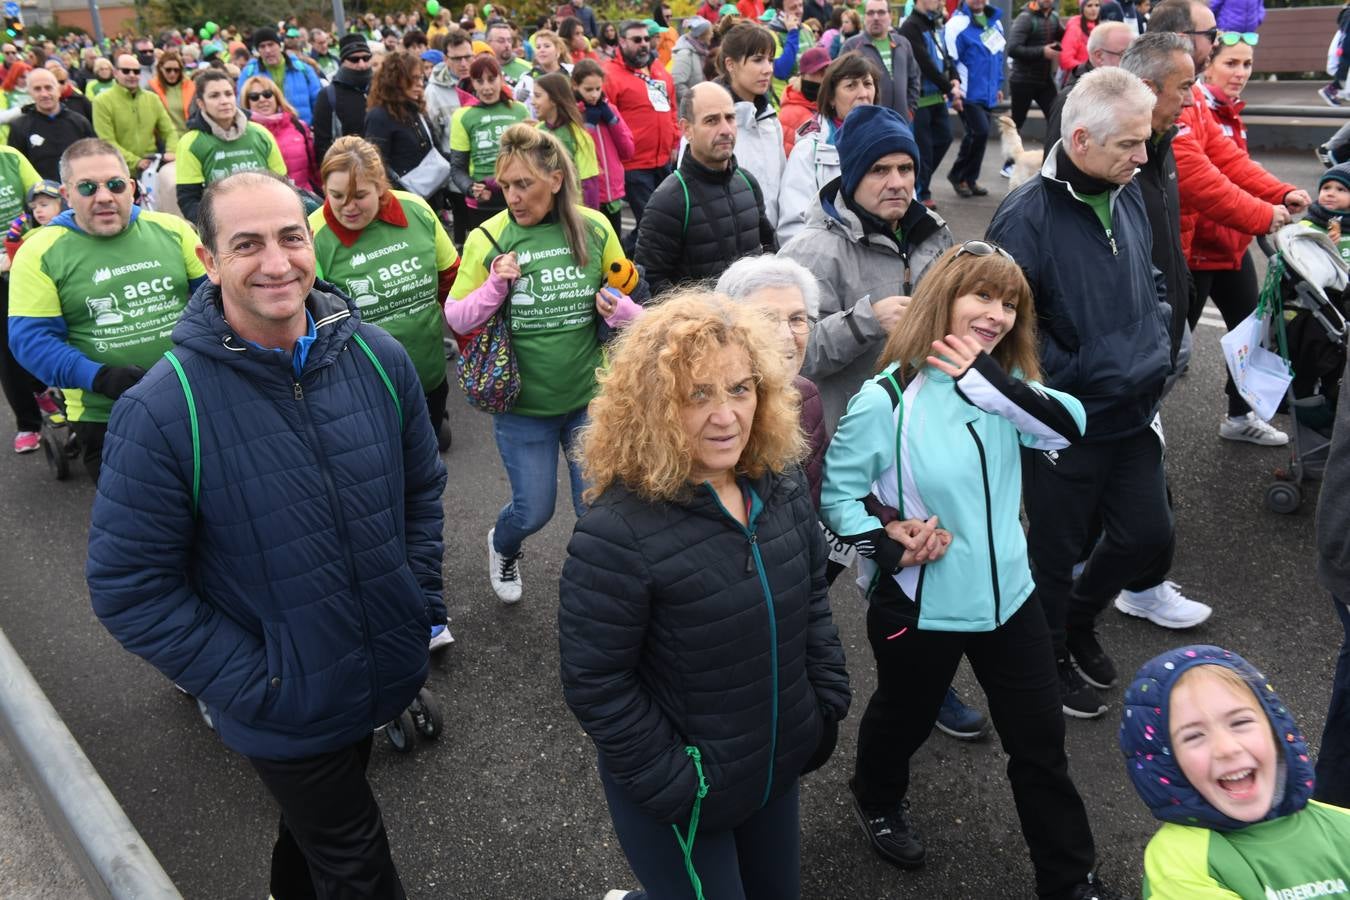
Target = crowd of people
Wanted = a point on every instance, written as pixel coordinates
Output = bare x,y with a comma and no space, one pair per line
239,261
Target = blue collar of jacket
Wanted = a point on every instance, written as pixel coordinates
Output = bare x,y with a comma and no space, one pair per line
302,345
991,14
66,219
1147,743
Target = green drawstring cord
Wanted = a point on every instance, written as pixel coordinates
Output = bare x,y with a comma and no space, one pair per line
687,844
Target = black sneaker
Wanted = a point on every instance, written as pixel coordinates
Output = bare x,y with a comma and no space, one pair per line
1079,698
1091,890
1097,668
976,189
891,834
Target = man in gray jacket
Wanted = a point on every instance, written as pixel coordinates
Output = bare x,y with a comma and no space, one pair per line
1333,573
868,243
893,55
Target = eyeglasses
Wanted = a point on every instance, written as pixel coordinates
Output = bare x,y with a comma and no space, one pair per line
364,57
1209,34
797,323
264,94
458,59
135,71
1230,38
171,70
983,248
638,39
90,188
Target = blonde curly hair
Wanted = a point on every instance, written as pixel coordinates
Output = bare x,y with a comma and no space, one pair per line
635,434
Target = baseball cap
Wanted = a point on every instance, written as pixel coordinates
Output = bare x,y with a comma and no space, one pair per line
814,60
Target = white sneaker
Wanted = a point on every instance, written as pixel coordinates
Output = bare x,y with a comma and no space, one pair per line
1163,605
1253,430
1007,169
617,894
504,571
440,637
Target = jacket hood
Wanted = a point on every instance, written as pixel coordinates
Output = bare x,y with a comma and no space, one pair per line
203,328
919,222
1145,741
687,42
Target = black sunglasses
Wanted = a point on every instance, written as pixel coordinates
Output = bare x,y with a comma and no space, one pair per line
983,248
1210,33
135,71
264,94
364,57
90,188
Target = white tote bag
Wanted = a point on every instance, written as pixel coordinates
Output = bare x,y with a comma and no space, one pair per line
431,173
1262,378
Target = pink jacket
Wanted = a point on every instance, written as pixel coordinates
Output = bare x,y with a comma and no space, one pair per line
613,147
296,142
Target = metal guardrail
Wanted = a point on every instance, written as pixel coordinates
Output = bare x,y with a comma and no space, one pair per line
107,849
1296,112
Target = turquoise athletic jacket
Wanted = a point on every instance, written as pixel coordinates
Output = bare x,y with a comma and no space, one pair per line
958,443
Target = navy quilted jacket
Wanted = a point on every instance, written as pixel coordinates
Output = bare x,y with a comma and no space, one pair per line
297,603
679,627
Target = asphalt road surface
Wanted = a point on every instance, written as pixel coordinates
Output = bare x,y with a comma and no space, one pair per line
507,805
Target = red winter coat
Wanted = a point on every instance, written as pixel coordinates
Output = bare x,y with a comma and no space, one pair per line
793,114
1220,183
655,134
1073,48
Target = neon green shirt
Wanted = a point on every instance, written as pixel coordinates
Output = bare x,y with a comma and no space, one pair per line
477,131
392,273
553,318
17,175
204,158
120,296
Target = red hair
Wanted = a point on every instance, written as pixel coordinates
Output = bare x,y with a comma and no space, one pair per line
16,71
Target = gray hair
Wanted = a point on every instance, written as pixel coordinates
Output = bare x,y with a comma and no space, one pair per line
1099,35
752,274
85,147
1153,55
1100,98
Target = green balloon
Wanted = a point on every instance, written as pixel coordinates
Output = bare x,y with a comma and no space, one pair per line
210,28
433,8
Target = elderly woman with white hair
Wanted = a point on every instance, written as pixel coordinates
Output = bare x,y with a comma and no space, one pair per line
787,292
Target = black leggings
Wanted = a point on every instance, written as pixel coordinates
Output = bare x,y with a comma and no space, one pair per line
1023,94
1234,292
1015,664
18,384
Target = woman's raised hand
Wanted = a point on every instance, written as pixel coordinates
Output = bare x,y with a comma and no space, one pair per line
954,354
506,267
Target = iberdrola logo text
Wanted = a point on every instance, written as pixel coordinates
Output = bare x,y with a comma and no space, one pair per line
102,275
1331,887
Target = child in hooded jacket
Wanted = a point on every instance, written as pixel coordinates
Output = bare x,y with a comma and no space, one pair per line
1218,758
612,137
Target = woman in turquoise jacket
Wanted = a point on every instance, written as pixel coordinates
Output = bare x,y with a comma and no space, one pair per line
934,442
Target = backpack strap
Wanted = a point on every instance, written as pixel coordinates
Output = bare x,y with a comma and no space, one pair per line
384,376
679,176
192,421
897,395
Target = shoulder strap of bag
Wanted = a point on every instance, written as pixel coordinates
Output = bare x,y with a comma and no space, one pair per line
898,400
505,308
679,176
384,376
192,421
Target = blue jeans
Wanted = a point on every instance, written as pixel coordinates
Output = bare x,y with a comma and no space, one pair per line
933,133
1333,762
970,157
529,449
760,859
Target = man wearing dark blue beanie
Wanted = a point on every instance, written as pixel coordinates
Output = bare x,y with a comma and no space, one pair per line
869,133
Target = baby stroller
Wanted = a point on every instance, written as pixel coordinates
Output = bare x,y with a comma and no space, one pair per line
1304,284
58,440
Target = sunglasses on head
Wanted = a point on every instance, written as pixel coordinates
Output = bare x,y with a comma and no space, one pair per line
983,248
135,71
264,94
1230,38
1211,33
90,188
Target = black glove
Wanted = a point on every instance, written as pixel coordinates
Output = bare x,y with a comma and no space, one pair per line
114,381
829,736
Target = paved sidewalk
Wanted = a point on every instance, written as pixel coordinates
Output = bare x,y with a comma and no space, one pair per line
33,862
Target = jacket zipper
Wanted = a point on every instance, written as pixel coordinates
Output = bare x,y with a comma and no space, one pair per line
341,524
754,562
988,523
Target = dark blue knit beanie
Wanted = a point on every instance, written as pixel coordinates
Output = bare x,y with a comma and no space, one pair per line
1339,173
869,133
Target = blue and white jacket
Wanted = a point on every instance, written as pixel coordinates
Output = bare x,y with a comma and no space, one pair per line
980,68
951,449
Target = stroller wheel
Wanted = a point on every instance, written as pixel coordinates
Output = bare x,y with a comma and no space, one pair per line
425,717
400,733
54,449
443,437
1284,497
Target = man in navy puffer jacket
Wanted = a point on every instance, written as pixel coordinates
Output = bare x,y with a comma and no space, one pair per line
267,531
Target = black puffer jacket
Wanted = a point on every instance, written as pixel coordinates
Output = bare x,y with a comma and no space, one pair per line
1100,309
677,628
696,229
1030,34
